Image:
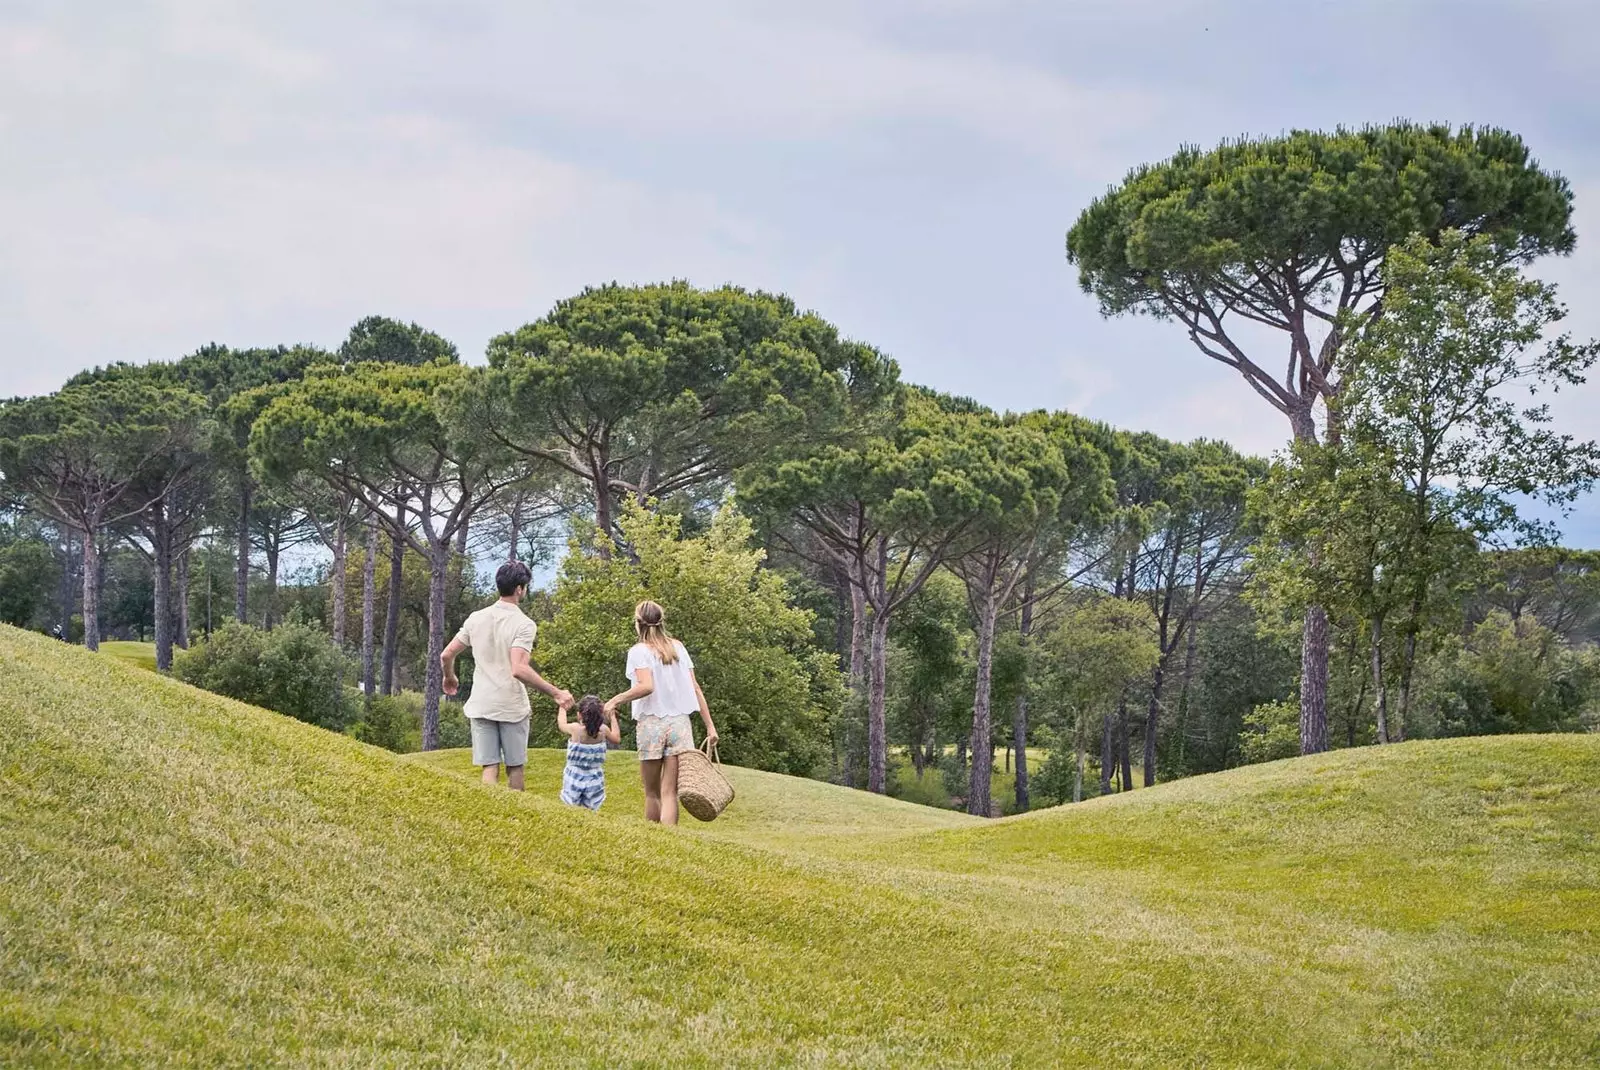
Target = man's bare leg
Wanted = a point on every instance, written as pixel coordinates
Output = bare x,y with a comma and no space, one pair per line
514,777
667,804
491,773
650,772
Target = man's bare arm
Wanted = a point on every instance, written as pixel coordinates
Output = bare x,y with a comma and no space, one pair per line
447,658
522,670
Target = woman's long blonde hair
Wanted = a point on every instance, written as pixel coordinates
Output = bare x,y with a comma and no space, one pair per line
649,620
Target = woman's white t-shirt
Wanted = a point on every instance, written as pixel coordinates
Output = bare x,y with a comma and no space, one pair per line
673,694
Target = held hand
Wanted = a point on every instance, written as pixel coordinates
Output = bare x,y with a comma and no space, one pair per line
712,737
611,709
451,684
565,700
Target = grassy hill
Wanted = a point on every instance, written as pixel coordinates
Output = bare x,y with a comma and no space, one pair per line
185,878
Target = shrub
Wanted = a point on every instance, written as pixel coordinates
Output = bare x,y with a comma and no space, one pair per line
294,669
394,722
1271,731
772,692
391,722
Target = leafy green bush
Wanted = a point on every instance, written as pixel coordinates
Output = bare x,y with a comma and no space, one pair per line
293,669
394,722
772,692
391,722
1271,731
1517,676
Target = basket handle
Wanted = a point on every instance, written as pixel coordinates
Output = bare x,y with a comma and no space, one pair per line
709,749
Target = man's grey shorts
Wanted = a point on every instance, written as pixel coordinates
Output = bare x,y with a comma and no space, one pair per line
494,742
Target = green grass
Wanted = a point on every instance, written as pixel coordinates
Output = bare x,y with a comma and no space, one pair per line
139,655
187,879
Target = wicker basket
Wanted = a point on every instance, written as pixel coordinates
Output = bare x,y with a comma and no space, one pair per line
702,789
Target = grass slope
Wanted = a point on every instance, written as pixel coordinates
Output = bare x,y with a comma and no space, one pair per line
139,655
185,878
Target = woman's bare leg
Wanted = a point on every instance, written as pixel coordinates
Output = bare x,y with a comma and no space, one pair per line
650,772
667,803
491,773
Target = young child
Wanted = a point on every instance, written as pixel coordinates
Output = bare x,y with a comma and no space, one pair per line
584,781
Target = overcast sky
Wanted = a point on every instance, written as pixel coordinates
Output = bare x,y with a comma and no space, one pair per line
178,173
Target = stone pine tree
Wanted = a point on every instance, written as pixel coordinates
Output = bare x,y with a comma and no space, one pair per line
1269,253
646,392
1031,478
377,432
884,506
89,457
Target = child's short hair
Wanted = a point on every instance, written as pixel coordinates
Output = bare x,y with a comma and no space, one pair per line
593,713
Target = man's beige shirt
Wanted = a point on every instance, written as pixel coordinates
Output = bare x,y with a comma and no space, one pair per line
492,633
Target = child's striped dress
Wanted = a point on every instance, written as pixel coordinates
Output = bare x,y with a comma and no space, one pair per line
583,783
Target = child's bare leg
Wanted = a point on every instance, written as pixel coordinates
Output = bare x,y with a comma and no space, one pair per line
667,806
514,777
491,773
650,773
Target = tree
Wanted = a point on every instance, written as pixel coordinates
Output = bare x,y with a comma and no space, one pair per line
378,433
1557,586
651,391
1428,386
1512,676
1291,234
1202,536
176,492
1096,649
882,505
380,340
1032,478
27,580
772,690
83,455
218,373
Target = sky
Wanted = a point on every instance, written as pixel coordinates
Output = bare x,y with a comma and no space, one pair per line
173,174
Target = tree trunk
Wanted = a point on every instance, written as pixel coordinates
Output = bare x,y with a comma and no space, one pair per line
858,639
918,762
982,732
1124,744
67,575
433,686
182,638
1380,695
336,592
1314,632
91,590
516,527
1108,753
271,617
1314,682
461,539
391,619
241,574
1019,722
1150,720
877,725
1079,732
602,506
1405,686
161,561
369,597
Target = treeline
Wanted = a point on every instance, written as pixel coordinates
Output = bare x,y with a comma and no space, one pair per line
900,579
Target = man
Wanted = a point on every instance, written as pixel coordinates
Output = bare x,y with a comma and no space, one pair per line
500,637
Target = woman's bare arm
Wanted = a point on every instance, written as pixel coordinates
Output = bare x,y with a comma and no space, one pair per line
705,709
644,683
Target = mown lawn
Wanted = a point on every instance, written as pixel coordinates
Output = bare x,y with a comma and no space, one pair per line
187,879
139,655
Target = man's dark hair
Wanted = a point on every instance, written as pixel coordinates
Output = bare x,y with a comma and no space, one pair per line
511,575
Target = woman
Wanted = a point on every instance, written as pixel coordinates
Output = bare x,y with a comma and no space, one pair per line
664,692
